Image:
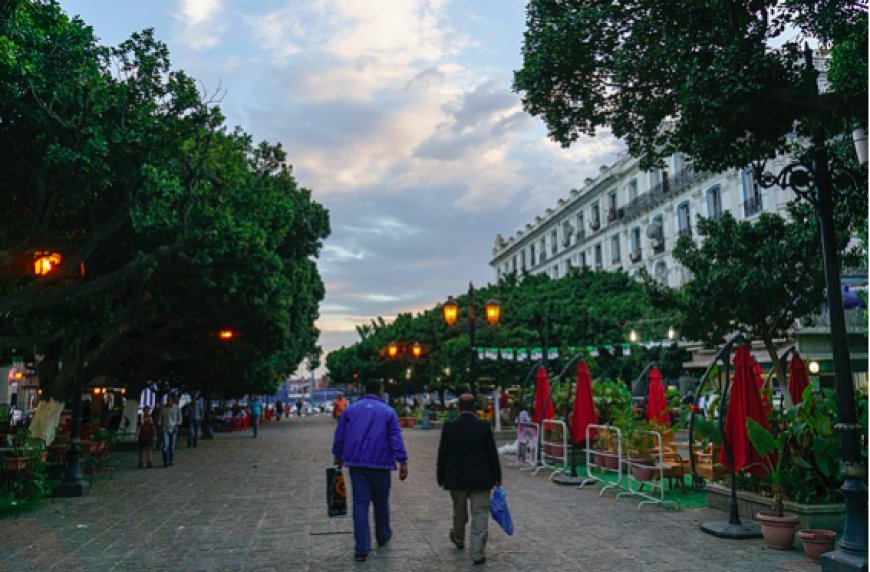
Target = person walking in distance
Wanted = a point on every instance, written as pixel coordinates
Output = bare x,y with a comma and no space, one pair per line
170,419
368,441
279,410
194,419
338,406
468,467
299,407
145,437
256,411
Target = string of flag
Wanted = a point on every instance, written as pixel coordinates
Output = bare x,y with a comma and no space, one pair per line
537,353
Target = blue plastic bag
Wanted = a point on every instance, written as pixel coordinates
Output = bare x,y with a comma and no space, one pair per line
498,509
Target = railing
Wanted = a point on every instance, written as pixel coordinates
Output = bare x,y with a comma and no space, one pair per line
634,255
594,224
752,206
676,184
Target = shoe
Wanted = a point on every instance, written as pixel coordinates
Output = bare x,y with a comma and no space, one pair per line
360,557
479,562
384,543
458,544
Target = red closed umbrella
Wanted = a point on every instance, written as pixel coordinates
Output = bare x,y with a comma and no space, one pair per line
798,378
656,404
542,397
744,403
584,407
759,380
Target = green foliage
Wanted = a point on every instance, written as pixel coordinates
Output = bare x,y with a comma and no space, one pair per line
661,74
769,446
612,400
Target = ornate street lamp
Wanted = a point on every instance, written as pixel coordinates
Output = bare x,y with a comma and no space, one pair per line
393,350
451,313
226,335
416,350
45,262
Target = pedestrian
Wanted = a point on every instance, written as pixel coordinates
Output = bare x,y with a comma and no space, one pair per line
145,437
299,407
256,411
170,419
468,467
194,420
279,409
338,406
368,441
155,417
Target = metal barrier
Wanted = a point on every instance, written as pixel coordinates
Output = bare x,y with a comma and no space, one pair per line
640,473
604,460
554,454
527,445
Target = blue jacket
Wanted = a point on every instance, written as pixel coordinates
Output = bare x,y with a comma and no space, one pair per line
368,435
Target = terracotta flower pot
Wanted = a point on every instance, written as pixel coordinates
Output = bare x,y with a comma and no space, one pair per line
642,469
16,463
611,461
817,541
778,531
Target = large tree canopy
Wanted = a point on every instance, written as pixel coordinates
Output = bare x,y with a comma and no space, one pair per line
710,78
170,226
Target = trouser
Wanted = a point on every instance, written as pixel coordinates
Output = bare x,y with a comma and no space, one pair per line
255,423
192,429
169,445
370,486
479,501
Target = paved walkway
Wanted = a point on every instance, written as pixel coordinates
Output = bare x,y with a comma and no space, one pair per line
236,503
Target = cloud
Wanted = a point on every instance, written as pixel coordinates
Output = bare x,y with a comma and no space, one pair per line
336,253
198,11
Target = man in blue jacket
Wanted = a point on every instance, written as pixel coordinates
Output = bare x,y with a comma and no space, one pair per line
369,442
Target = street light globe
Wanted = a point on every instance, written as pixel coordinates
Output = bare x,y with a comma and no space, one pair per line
814,367
226,335
451,311
672,333
408,373
416,350
632,336
393,349
493,312
45,262
446,372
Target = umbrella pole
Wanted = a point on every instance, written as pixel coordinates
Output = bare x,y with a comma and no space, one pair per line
733,529
573,479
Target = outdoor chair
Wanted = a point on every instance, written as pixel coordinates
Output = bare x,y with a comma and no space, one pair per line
707,465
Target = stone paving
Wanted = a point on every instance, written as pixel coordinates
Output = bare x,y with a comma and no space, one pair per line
237,503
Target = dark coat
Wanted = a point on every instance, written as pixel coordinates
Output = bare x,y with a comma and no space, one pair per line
467,457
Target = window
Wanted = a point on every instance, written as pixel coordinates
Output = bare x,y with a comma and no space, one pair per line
611,207
567,231
555,272
634,244
595,217
543,250
666,181
714,203
568,266
632,190
532,255
523,260
656,234
581,230
661,272
598,262
684,227
614,249
752,203
582,260
515,263
554,246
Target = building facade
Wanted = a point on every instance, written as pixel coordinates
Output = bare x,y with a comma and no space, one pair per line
628,219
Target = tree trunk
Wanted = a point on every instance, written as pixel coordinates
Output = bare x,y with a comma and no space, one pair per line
781,377
45,420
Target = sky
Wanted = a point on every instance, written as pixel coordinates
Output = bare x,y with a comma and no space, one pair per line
397,114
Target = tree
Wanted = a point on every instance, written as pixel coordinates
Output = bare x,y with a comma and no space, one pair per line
705,78
757,278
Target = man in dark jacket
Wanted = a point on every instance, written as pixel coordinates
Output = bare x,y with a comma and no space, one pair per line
368,441
468,467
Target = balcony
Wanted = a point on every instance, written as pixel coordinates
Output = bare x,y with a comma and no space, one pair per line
675,185
634,255
752,206
594,224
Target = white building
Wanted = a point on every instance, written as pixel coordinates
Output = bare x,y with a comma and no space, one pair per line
627,219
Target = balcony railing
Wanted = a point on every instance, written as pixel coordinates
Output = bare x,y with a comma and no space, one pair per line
673,185
594,224
634,255
752,206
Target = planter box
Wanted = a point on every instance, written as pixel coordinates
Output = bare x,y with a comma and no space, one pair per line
554,450
827,516
16,463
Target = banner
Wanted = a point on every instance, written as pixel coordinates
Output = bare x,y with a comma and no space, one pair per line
480,354
552,353
527,444
491,353
522,355
507,353
626,349
592,351
537,354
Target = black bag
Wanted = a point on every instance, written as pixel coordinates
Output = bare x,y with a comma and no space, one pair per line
336,492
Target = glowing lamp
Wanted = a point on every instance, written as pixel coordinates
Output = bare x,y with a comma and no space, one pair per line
393,349
39,391
416,350
451,311
672,333
45,262
96,391
493,312
226,335
814,367
123,391
632,336
19,375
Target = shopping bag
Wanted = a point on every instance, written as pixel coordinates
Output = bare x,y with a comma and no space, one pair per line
336,492
498,509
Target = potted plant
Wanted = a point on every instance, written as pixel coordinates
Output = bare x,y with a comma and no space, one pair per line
777,527
817,541
552,445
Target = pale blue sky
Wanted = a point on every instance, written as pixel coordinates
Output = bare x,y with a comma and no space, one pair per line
398,114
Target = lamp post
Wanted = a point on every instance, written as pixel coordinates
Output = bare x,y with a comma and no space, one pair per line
226,335
811,179
73,484
451,315
407,355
